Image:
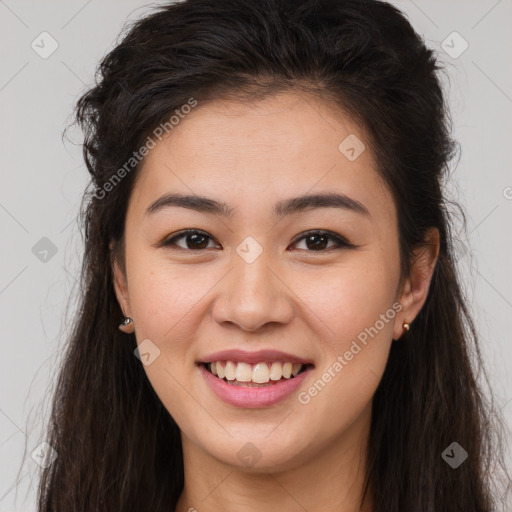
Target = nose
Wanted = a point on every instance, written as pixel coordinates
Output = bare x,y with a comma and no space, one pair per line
252,295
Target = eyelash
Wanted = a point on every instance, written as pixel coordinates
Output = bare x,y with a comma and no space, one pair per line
341,242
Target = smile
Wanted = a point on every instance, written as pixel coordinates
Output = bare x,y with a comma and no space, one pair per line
240,373
253,385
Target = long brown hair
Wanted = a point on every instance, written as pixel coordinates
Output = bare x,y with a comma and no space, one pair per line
118,447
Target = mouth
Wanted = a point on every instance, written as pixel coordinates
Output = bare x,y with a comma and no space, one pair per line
254,385
261,374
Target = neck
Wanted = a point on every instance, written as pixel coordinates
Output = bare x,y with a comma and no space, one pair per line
330,478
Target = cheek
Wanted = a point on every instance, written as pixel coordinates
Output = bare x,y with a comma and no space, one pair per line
340,302
339,307
164,295
350,298
357,304
166,302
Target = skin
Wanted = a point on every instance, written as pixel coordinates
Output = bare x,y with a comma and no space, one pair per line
310,302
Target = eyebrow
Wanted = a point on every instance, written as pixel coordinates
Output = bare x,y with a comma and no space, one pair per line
281,209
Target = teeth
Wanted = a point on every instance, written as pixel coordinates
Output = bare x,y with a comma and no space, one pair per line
243,372
276,371
259,373
230,370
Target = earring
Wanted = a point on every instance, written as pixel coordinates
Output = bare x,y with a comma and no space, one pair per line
126,325
405,326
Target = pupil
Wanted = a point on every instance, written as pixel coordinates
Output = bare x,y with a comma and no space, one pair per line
200,241
194,237
320,245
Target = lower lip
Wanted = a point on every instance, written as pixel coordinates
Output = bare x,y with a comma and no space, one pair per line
250,397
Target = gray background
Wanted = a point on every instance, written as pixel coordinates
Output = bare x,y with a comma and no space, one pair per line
43,178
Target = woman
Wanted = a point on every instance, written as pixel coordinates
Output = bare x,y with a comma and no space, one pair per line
271,317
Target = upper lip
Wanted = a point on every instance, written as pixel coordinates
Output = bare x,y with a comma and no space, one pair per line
244,356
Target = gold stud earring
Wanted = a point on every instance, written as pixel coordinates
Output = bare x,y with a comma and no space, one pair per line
405,326
126,325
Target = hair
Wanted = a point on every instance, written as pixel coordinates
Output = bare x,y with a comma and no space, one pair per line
118,447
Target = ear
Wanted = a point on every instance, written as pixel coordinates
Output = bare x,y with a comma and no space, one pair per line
416,287
120,286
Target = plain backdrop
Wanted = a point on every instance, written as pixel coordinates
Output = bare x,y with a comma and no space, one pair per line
42,179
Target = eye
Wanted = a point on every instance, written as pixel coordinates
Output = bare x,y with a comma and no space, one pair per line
194,240
317,240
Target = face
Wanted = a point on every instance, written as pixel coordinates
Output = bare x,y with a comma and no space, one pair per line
256,279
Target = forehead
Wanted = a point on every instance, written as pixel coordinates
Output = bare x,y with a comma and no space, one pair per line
241,153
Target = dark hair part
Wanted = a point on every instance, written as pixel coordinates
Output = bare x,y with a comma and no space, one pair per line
118,447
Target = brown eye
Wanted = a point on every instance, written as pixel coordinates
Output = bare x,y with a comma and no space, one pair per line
318,240
315,241
194,240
